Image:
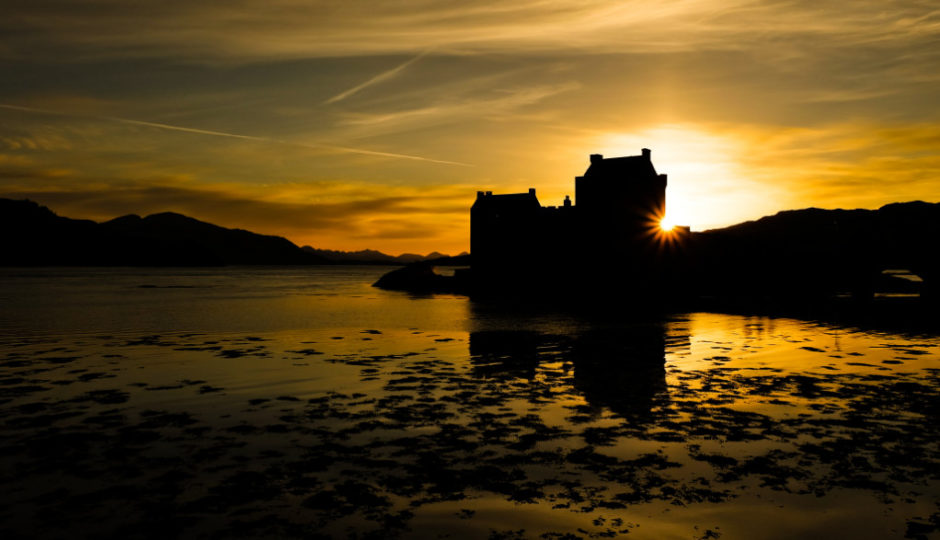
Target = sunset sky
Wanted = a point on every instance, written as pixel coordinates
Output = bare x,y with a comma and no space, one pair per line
352,125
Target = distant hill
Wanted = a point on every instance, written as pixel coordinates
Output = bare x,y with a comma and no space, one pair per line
909,227
36,236
815,250
370,256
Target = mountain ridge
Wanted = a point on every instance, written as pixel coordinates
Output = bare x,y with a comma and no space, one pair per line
171,239
43,238
371,256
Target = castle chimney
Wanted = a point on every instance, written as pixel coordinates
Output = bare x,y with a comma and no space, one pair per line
646,153
663,178
532,191
488,193
596,158
479,194
567,201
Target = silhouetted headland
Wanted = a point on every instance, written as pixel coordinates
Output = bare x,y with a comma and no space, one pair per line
36,236
609,244
815,252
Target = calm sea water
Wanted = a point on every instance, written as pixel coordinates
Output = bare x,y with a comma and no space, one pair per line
289,402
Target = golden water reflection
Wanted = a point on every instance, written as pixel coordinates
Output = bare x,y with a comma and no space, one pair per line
695,425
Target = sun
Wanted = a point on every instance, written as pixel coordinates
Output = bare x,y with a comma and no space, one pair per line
709,184
666,225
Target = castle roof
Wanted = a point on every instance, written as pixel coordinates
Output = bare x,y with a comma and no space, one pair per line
629,166
510,202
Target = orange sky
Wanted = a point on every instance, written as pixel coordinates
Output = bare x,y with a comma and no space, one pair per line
360,125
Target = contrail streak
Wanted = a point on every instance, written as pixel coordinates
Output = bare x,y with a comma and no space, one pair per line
170,127
385,75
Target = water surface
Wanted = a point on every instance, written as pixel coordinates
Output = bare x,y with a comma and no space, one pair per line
293,402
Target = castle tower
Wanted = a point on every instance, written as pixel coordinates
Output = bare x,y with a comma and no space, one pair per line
625,194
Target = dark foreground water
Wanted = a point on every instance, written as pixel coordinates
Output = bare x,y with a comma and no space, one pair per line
301,403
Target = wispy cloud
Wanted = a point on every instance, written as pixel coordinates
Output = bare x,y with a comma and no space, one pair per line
797,103
299,28
384,76
489,105
197,131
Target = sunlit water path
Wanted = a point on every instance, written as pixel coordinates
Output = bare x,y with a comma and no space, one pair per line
302,402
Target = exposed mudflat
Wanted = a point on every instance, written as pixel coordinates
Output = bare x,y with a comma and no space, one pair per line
700,426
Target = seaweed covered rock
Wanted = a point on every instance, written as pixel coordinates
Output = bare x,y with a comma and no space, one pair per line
418,278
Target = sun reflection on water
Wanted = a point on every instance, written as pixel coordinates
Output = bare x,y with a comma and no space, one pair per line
550,425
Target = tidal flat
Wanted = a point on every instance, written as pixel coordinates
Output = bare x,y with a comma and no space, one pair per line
472,424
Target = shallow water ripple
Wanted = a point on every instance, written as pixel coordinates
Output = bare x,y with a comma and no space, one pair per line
649,430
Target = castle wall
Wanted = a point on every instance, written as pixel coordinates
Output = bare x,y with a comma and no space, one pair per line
515,242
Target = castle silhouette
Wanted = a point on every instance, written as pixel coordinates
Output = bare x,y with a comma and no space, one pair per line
518,244
607,244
